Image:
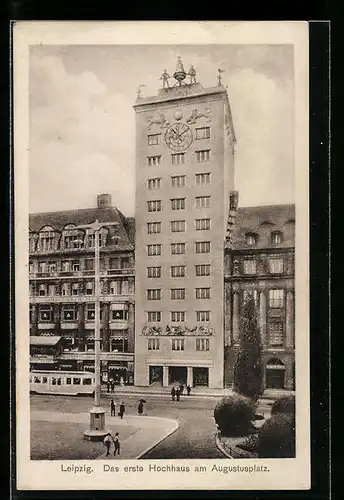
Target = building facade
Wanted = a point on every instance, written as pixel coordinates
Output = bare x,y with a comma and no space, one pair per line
259,257
184,173
61,277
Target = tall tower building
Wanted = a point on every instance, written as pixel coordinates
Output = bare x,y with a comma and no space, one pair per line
184,174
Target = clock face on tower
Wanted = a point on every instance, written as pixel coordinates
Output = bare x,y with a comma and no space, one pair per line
178,136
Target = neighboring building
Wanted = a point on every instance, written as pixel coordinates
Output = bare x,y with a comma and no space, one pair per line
61,274
184,174
259,256
45,352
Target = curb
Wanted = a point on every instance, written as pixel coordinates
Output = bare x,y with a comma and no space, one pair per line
176,427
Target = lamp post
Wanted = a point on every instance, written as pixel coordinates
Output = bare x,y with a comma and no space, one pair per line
97,429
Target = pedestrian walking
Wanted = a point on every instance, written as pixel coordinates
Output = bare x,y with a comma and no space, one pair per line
117,444
140,408
188,388
113,408
181,388
173,393
121,409
108,386
178,394
112,383
107,442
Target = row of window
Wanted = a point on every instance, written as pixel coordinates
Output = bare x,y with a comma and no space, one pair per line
275,338
178,226
276,265
177,316
73,265
201,133
179,158
179,271
178,203
178,248
115,288
179,344
178,293
179,181
69,312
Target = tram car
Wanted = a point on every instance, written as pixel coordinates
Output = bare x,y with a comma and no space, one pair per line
72,383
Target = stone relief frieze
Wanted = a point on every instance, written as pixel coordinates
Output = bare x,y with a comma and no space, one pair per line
196,115
178,330
160,120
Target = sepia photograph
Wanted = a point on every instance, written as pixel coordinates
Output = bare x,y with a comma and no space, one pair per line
160,257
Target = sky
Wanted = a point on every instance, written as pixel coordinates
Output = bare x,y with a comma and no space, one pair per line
82,121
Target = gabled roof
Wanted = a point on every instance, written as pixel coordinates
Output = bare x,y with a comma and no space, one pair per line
263,220
58,220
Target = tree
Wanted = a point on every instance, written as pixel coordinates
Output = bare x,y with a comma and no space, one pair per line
248,368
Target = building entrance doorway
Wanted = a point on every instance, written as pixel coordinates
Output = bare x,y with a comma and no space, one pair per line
177,374
275,374
201,376
118,374
155,374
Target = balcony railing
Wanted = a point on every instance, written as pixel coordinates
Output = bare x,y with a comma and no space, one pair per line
86,272
89,356
67,299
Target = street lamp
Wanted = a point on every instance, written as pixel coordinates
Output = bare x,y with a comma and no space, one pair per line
97,430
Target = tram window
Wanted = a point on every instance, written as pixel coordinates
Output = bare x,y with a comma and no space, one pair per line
68,380
58,381
45,380
37,380
53,380
87,381
76,381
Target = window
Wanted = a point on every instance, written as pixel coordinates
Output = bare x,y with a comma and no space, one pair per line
154,139
154,294
276,333
31,267
154,206
89,288
202,293
76,381
202,344
51,290
178,158
178,316
75,289
65,289
75,265
202,270
202,201
87,381
65,266
115,263
69,380
202,156
251,239
42,267
202,246
153,160
42,290
202,315
177,226
91,312
276,238
46,241
115,287
125,287
178,181
153,316
178,204
177,248
153,250
178,344
276,265
154,227
118,312
248,293
46,313
154,183
89,264
202,224
32,244
51,267
153,344
69,312
177,293
202,179
250,266
177,271
154,272
203,133
276,299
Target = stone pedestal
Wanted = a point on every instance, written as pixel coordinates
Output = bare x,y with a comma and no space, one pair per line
97,431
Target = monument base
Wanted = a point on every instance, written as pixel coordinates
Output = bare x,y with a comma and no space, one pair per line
96,431
95,435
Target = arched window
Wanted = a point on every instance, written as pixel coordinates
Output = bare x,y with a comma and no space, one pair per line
47,239
276,237
251,239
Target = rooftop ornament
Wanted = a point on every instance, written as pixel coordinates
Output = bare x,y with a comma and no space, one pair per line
219,77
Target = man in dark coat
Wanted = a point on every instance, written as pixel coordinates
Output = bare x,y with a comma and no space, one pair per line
121,409
178,393
188,388
181,388
140,408
173,393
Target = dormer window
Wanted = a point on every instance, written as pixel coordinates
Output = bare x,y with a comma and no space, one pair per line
276,238
47,239
72,237
251,239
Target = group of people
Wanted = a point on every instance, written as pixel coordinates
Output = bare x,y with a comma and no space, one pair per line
121,411
108,440
177,392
